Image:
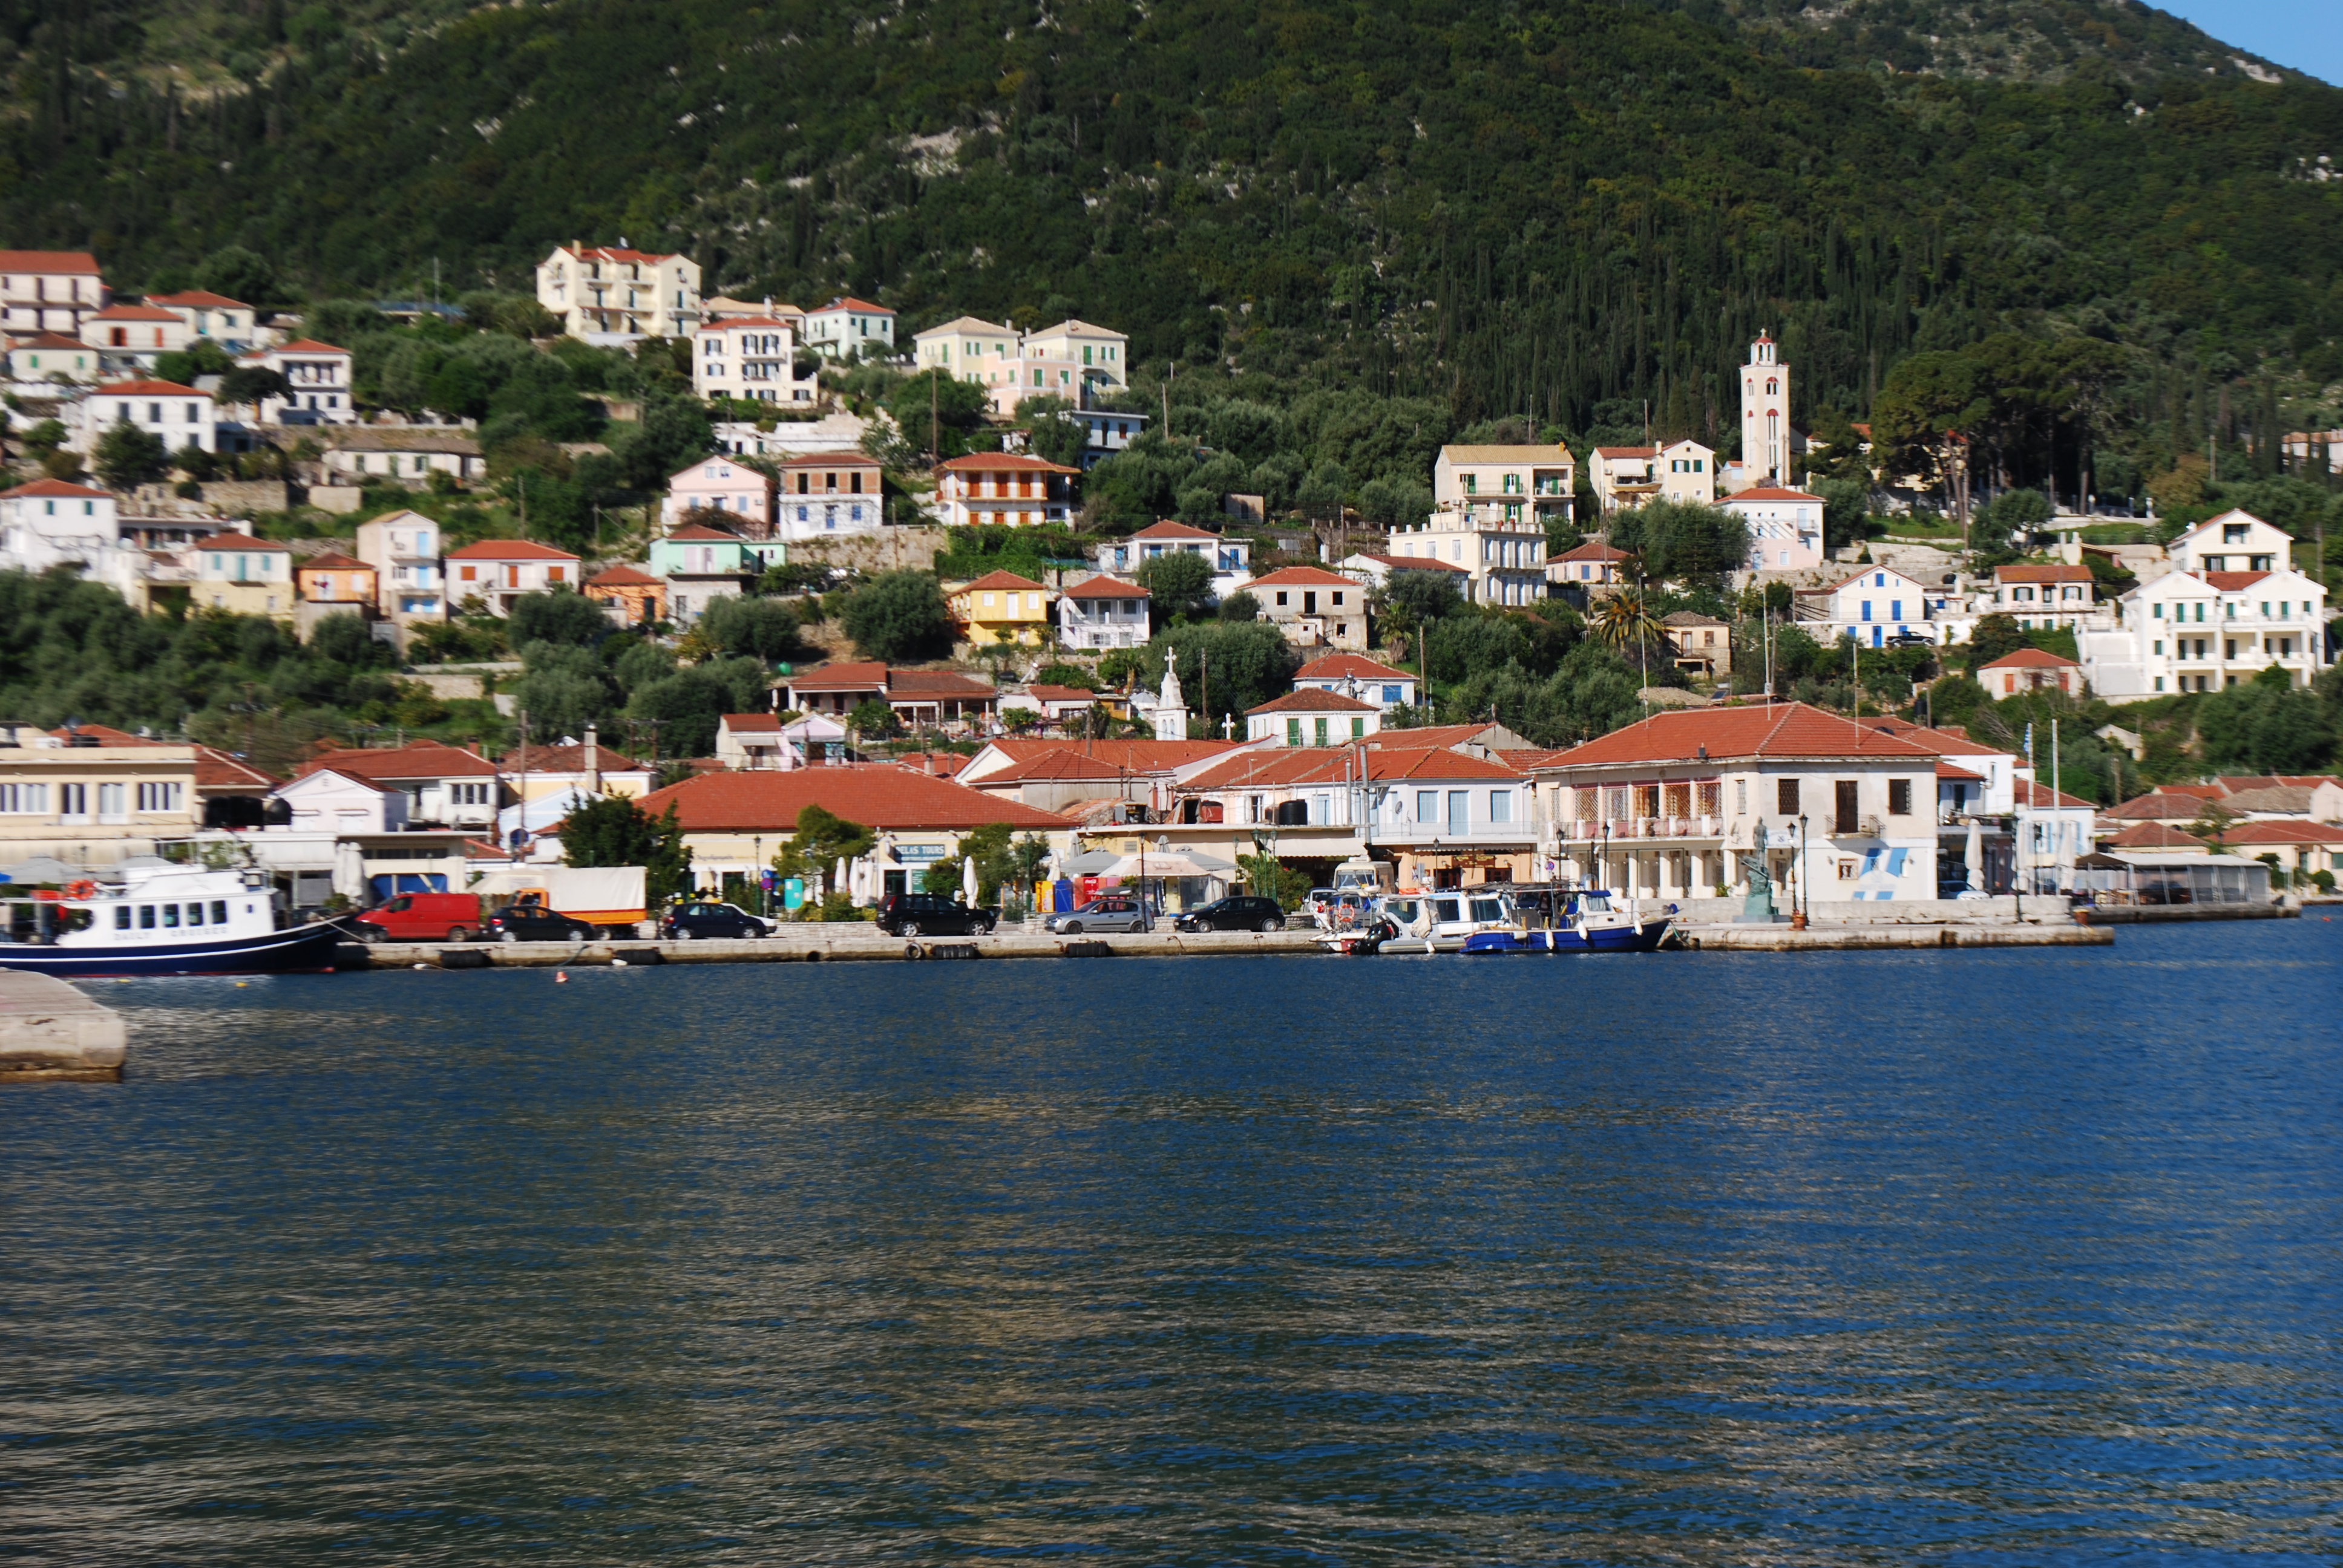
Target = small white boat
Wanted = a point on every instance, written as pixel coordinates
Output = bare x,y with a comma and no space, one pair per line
154,918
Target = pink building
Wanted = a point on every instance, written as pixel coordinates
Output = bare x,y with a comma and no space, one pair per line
722,484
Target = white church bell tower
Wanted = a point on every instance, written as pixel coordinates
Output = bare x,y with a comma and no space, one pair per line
1764,415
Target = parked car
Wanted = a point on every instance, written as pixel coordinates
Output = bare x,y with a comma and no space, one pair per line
534,923
701,921
422,918
1238,913
1107,912
933,915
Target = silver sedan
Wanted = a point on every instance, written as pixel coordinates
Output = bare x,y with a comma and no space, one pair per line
1110,913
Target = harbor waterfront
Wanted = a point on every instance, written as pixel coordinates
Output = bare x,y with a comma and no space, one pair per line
1676,1257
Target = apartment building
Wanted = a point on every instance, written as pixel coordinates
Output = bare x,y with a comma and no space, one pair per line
753,358
49,291
180,416
499,571
1103,612
93,796
2048,595
129,338
1785,527
848,327
826,495
1008,489
722,483
410,584
320,376
230,322
1500,546
1625,477
616,296
1515,483
2197,630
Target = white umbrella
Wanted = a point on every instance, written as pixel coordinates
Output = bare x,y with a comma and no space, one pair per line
841,884
1168,863
967,878
1975,857
349,870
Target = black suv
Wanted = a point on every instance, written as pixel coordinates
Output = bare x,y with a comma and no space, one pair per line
1239,912
933,915
704,922
534,923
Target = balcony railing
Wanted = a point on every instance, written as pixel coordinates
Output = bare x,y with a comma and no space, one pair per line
1625,828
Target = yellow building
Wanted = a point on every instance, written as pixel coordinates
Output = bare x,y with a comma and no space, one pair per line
249,576
93,796
1001,607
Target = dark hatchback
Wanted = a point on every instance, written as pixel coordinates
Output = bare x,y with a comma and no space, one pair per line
706,922
1238,913
933,915
534,923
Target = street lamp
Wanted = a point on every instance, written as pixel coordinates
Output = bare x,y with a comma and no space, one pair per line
1803,900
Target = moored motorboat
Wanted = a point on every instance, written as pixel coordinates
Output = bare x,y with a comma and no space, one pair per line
158,919
1579,921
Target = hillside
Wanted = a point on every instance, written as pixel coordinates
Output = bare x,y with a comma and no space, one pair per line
1562,210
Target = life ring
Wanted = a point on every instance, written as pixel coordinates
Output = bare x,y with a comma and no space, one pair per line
84,888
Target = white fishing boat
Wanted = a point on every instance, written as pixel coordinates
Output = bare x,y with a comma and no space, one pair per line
154,918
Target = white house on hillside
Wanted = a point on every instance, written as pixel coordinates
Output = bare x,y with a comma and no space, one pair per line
1785,527
847,325
1875,607
2204,630
616,296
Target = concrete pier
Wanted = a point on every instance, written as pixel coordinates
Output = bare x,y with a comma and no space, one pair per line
831,942
1780,939
50,1032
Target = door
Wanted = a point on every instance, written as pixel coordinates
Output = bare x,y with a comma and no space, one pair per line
1844,816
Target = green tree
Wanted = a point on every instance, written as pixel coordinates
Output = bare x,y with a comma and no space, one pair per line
688,706
609,830
2266,725
1681,542
1251,662
1267,877
1179,582
817,840
1929,399
128,456
241,274
1056,438
1240,606
872,720
561,617
760,628
1994,636
249,386
960,408
899,617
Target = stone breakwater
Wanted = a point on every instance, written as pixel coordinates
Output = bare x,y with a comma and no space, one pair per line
51,1033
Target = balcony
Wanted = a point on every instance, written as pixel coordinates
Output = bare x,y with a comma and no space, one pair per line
1621,829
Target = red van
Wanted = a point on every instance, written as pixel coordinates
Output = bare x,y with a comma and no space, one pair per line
425,918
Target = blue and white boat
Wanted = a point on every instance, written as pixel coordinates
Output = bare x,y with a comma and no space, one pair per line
158,919
1581,920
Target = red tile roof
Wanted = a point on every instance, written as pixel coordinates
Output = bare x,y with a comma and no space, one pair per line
244,542
1349,667
510,551
848,302
1782,729
1004,462
753,723
1950,740
831,460
1957,775
624,577
1593,550
615,253
197,298
49,340
2152,836
49,261
2196,791
133,313
215,770
1102,758
2233,582
109,735
55,488
937,683
572,759
147,389
423,759
2041,797
333,561
2032,659
1443,735
1301,577
1102,587
1168,529
1061,693
1410,563
308,345
2041,574
869,676
881,795
702,531
1312,699
1771,493
1292,764
2284,832
1004,580
2160,807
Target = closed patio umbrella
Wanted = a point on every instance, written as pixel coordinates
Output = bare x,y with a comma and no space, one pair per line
1974,857
349,871
967,878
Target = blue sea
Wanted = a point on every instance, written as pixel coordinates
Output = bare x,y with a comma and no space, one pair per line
1989,1258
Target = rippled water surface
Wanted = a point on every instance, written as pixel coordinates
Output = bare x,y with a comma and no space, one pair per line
1994,1259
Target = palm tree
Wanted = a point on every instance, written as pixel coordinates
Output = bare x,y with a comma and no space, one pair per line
1623,619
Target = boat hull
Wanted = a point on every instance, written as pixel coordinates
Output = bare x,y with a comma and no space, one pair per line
1623,937
304,950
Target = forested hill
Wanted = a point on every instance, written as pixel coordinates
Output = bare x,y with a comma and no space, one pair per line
1525,207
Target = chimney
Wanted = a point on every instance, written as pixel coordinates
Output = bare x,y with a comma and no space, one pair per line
593,761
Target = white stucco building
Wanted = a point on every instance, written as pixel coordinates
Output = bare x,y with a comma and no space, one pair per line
1785,527
616,296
